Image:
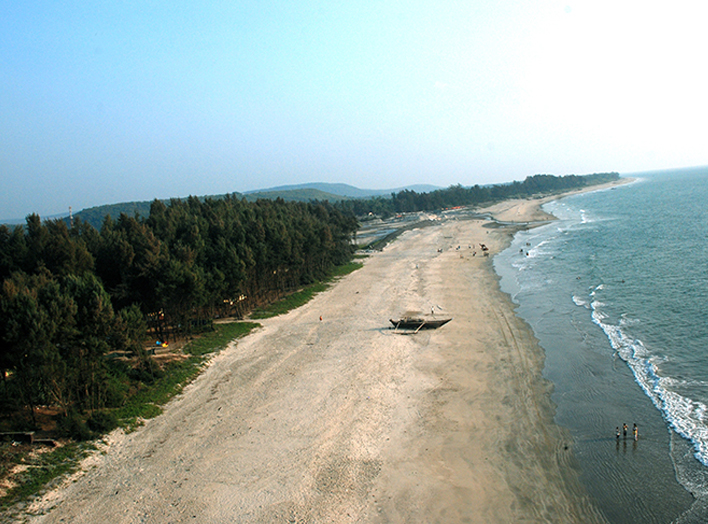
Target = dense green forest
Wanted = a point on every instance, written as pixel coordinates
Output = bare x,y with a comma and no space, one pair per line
96,215
73,295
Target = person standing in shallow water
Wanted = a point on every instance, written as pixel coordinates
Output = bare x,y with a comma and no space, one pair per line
635,432
624,430
617,432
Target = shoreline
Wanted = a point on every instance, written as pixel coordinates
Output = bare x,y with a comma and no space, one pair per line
341,419
596,388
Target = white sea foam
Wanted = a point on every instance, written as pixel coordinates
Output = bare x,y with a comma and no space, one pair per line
544,243
686,416
596,289
580,302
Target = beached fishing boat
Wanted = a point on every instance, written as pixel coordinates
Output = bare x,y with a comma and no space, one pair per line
419,323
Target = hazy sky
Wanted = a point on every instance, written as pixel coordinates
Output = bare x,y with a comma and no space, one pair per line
105,102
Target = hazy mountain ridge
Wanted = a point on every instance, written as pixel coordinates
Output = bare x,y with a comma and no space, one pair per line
346,190
295,193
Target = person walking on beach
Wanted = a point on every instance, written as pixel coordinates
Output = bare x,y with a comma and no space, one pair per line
635,432
624,430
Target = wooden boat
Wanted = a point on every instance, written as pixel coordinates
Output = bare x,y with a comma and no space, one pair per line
419,323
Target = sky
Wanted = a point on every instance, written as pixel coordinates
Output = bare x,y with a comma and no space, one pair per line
107,102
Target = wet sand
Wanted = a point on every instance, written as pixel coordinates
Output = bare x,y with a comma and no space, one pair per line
345,420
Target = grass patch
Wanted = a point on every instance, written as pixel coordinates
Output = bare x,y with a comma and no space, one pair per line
147,402
290,302
303,296
219,338
345,269
39,469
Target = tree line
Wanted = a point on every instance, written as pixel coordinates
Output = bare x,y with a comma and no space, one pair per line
71,294
409,201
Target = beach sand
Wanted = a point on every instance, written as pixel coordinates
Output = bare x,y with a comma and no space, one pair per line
345,420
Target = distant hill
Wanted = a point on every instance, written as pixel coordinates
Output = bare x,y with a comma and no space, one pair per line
289,193
96,215
345,190
296,195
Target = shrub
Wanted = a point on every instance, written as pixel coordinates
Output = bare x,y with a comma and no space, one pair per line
74,426
102,421
147,371
115,391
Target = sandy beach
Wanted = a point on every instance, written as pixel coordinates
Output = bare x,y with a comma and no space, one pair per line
343,419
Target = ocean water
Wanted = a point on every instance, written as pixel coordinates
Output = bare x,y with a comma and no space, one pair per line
616,291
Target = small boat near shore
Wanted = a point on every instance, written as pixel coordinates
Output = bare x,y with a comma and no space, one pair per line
418,323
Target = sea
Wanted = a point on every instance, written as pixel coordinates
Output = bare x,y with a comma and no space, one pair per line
616,292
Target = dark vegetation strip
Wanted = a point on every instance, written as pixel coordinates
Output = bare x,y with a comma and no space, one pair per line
409,201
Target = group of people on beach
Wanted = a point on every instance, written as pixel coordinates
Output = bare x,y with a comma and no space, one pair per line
635,432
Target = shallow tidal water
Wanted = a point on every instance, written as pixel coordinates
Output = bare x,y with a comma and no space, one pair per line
616,292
